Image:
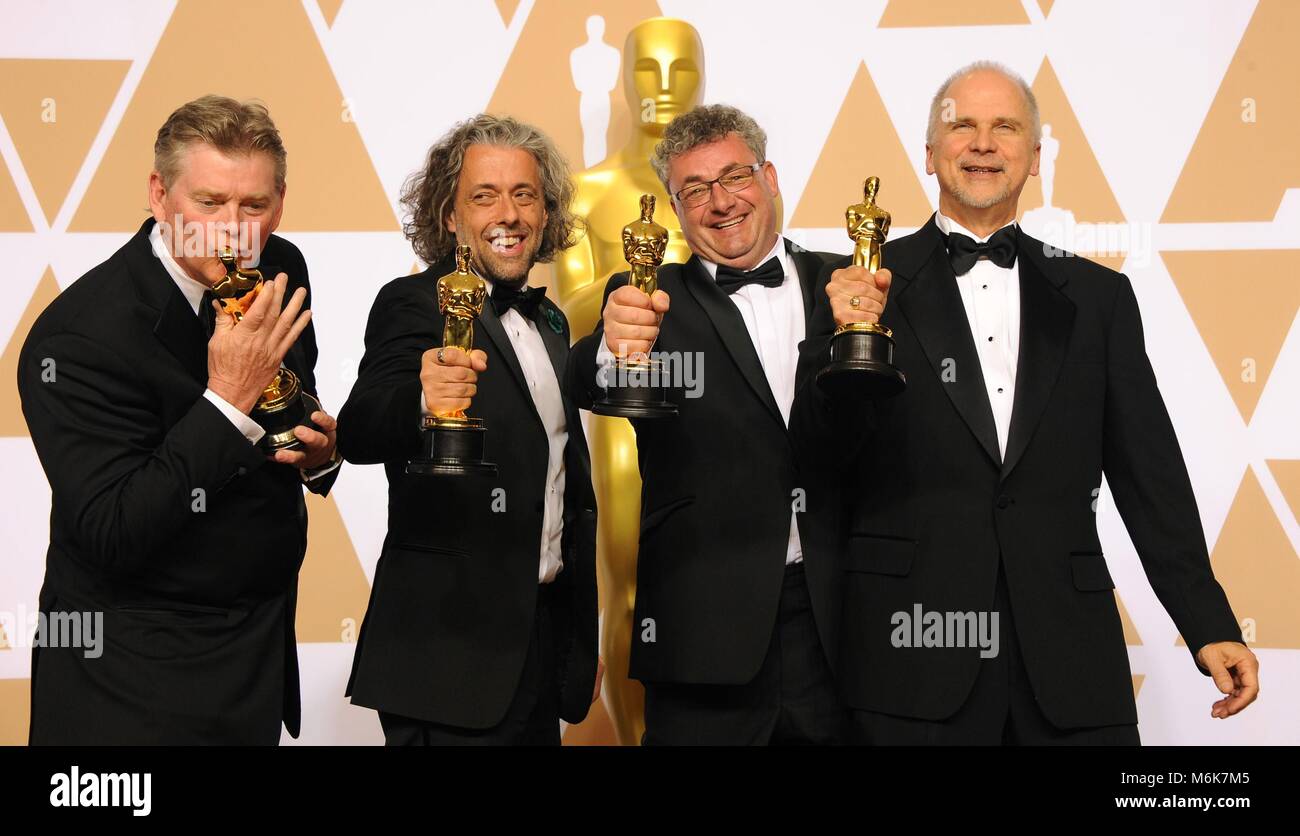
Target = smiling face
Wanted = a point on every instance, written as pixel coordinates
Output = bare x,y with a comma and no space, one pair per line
215,201
736,229
985,153
499,211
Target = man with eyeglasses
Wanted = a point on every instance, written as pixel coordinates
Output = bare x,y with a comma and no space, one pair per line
734,604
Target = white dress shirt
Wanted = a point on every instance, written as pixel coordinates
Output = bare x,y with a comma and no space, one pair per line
544,387
991,296
774,318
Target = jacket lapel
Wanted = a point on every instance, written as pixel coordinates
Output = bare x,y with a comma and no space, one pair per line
809,266
182,333
491,326
557,345
731,330
557,349
177,327
932,305
1046,321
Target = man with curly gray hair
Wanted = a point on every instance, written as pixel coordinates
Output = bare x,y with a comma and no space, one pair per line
735,616
482,619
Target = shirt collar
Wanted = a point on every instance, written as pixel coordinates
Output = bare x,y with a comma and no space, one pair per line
191,288
778,251
488,283
948,226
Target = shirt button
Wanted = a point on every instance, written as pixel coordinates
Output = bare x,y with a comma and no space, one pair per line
990,339
986,287
999,390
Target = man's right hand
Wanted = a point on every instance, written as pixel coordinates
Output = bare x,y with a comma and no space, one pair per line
450,384
631,320
244,357
871,290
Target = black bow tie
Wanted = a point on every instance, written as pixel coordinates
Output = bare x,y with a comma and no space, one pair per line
525,301
963,252
769,274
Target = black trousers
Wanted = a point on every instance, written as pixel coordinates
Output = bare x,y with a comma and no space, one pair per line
1000,711
533,718
791,700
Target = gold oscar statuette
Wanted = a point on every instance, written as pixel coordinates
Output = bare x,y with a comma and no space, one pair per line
452,444
862,353
634,387
283,405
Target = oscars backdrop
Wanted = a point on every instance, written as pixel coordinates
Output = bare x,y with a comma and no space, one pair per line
1169,152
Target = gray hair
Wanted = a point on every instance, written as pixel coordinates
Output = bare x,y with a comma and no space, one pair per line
430,193
936,104
702,125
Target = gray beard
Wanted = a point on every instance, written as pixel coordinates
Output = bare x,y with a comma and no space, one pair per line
966,200
486,271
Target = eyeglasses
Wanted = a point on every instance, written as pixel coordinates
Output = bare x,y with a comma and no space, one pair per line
735,180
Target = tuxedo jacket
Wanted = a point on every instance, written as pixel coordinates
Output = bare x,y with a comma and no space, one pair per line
163,517
932,508
718,484
455,590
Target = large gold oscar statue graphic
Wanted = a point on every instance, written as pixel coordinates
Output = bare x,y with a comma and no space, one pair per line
663,75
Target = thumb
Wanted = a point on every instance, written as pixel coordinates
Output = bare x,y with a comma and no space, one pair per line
478,360
659,302
223,322
1222,680
453,356
884,279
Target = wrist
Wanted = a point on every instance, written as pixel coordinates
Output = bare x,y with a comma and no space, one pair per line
233,395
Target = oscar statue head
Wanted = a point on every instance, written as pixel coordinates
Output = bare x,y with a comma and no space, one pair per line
870,188
663,71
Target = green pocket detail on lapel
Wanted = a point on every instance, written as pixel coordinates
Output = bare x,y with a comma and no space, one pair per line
553,320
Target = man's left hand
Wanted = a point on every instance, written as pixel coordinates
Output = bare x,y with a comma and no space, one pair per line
1236,673
317,446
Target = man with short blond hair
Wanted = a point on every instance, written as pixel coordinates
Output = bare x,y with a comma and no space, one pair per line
169,516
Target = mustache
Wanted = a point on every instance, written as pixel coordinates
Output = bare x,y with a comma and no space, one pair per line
518,229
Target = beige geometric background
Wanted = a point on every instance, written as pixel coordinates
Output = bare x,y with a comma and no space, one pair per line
1176,126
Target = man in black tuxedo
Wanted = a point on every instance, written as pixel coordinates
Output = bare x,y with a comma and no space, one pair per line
734,598
167,517
481,627
971,497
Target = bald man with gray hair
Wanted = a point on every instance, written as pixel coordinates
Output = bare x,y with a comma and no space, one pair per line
977,605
